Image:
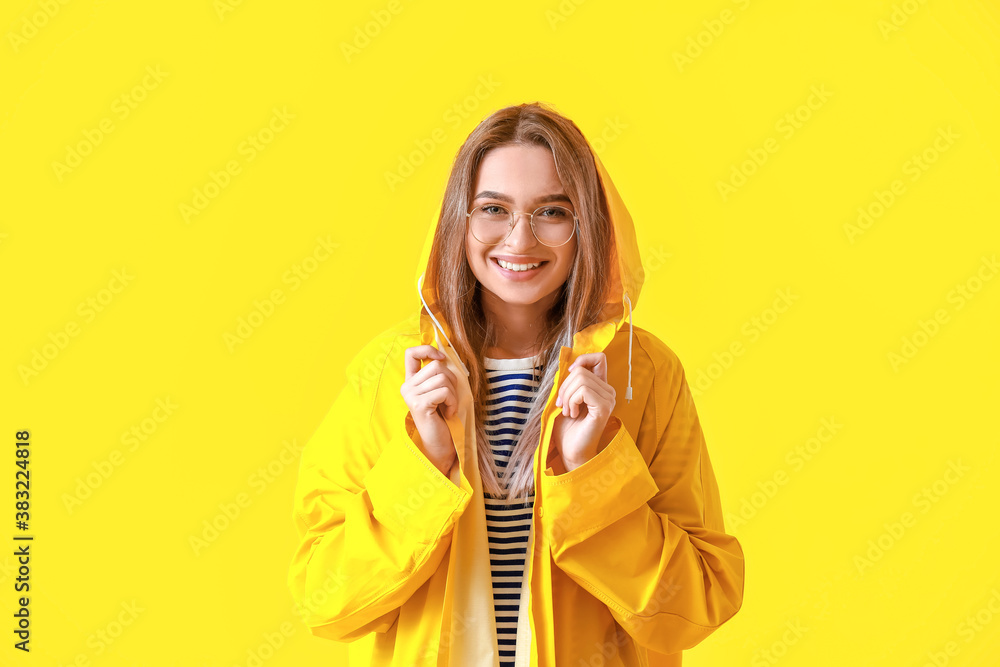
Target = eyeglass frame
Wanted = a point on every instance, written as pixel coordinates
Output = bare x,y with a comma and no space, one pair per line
531,223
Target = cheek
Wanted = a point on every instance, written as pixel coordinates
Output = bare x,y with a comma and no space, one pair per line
566,260
475,260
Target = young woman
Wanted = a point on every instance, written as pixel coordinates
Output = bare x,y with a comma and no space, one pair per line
516,475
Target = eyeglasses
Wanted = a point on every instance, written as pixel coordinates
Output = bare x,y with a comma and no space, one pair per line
552,226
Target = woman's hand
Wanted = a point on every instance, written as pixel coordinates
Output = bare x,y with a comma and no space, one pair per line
430,394
586,400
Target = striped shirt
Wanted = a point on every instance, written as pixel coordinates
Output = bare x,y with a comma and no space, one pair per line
511,387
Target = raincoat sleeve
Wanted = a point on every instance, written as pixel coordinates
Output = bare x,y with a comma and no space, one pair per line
374,517
649,541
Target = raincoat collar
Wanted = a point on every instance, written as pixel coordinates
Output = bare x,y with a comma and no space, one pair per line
626,283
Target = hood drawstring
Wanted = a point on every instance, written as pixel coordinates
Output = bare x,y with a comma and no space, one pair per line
628,389
437,325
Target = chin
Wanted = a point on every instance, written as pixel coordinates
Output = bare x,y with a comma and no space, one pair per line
516,297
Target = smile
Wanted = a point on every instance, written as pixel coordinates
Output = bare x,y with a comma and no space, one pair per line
518,267
511,270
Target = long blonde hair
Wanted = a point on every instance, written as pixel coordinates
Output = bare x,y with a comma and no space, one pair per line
580,299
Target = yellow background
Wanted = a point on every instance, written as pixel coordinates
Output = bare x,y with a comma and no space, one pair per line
676,100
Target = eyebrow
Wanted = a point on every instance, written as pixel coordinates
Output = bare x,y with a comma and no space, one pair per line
490,194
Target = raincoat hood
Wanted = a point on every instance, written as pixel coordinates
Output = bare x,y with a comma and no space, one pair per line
623,295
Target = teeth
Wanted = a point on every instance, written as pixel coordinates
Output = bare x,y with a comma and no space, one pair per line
517,267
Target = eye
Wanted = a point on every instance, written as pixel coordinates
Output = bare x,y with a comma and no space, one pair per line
493,209
554,213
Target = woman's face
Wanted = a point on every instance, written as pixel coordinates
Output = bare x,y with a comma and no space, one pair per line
520,178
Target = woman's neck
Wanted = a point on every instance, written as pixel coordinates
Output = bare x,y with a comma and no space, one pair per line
501,353
518,327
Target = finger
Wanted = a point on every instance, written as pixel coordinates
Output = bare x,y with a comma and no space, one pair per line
413,355
584,378
576,401
450,405
433,368
565,391
428,381
595,396
576,371
442,396
596,362
433,383
571,380
435,395
571,404
602,400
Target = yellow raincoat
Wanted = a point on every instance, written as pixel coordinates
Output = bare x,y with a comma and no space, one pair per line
628,562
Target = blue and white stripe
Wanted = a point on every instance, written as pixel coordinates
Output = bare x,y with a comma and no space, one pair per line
512,385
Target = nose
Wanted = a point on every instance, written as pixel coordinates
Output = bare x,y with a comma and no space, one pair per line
521,236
